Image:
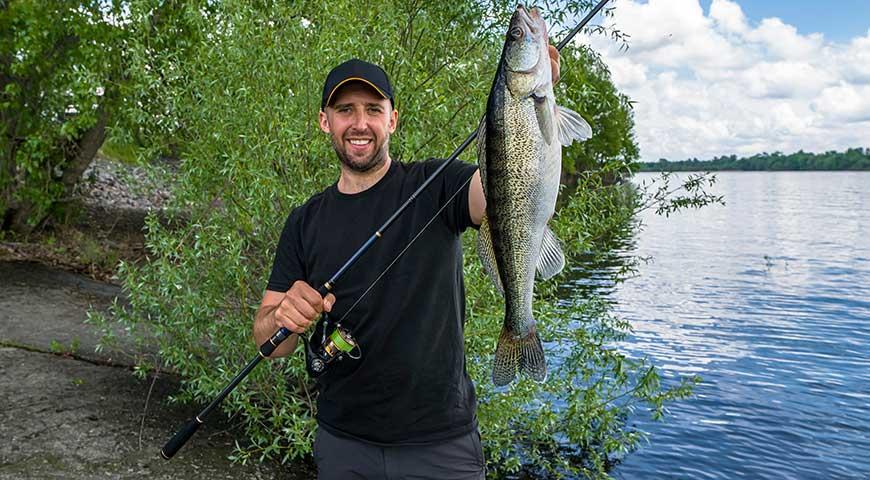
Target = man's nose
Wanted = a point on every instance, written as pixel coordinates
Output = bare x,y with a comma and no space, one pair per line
359,119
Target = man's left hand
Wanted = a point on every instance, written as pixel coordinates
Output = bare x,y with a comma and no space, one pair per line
554,62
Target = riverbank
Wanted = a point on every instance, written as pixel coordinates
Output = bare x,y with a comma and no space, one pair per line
70,411
104,223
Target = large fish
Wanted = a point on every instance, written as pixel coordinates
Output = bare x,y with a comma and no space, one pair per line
519,152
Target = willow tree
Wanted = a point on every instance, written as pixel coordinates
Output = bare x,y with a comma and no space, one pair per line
69,71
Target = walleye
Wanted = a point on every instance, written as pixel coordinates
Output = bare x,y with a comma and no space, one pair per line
520,157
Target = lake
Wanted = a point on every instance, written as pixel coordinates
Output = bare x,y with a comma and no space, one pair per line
767,298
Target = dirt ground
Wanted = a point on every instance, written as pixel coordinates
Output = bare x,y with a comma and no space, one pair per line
83,415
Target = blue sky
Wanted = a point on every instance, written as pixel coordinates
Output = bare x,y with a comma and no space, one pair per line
838,20
722,77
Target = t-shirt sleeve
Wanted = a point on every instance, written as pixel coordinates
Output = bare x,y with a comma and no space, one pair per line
454,177
288,265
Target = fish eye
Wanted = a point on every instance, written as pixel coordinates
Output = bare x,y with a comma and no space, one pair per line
516,33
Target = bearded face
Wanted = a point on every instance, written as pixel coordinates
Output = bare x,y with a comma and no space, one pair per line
359,122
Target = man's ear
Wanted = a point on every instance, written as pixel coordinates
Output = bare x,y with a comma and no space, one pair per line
324,122
394,119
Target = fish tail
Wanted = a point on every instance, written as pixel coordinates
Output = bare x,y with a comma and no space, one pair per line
523,354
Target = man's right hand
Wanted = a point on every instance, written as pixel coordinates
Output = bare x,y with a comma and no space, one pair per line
300,307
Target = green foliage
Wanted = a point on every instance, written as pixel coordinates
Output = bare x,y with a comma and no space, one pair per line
120,152
72,72
58,64
690,192
241,111
851,159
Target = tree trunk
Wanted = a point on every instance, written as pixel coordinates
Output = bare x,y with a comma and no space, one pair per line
77,158
84,151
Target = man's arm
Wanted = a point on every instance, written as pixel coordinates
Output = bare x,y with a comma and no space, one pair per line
476,199
294,310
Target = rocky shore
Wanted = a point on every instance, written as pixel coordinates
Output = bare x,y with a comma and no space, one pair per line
116,197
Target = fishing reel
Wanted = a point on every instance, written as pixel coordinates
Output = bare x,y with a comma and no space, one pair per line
334,346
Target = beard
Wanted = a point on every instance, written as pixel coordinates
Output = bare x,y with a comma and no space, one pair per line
376,159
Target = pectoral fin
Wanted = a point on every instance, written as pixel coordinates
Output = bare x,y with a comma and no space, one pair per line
544,110
552,260
572,127
487,255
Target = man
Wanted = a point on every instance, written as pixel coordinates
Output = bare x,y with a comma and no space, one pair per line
407,406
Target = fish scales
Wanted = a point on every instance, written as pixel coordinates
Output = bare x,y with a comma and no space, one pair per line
519,153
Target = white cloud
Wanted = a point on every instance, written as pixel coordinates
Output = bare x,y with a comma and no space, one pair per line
785,79
844,104
627,73
715,83
855,62
729,16
784,41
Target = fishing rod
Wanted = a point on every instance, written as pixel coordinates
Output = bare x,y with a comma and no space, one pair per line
340,342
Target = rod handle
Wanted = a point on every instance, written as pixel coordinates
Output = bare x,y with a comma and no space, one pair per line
180,438
272,343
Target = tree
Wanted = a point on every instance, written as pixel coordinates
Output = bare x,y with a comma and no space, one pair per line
59,64
67,72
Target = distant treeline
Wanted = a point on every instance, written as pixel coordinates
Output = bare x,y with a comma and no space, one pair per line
851,159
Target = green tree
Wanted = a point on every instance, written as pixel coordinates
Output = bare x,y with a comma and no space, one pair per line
59,67
67,71
851,159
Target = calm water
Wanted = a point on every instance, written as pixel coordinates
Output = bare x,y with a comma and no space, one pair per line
768,299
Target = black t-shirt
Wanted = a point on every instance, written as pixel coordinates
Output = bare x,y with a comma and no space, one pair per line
411,385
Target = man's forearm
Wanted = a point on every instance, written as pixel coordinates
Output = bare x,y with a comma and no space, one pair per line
265,327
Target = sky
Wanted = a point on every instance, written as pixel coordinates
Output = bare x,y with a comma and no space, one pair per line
722,77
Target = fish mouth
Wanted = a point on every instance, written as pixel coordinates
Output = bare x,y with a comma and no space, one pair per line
527,19
524,36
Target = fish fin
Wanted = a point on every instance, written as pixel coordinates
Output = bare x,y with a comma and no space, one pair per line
544,111
512,354
487,254
552,260
572,127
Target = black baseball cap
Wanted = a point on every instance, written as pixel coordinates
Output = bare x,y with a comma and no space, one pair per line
359,71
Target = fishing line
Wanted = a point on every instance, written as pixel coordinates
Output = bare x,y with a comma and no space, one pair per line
384,272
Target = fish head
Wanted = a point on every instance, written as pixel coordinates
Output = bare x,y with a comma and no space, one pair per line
526,59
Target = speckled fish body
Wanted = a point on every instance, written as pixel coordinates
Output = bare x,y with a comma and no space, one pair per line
519,153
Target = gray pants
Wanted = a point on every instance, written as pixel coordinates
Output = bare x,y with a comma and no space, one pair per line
341,458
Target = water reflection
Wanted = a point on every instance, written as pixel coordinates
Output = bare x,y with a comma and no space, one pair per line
767,299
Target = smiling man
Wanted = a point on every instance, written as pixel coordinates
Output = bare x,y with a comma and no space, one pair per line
407,407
